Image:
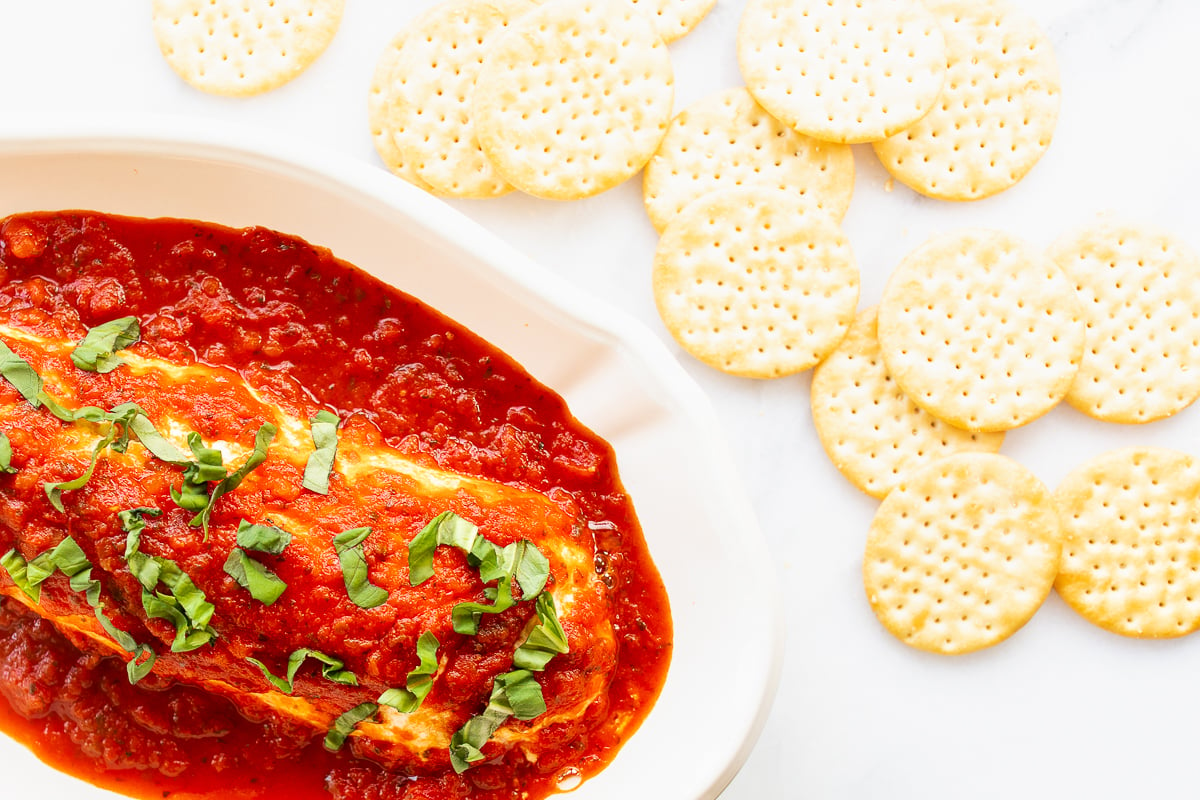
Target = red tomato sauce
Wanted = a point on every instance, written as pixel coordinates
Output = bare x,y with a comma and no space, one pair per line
278,310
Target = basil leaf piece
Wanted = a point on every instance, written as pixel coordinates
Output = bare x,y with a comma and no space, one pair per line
184,605
332,669
419,681
320,462
466,616
98,350
6,455
262,441
263,538
363,593
263,584
346,723
521,560
17,567
116,437
21,375
55,408
133,522
545,641
514,694
143,659
155,442
450,529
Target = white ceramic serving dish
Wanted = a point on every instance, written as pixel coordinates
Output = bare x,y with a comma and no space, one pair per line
617,378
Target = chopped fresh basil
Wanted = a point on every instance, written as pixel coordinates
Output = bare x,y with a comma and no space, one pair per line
98,350
262,441
116,437
320,463
208,465
184,604
155,442
331,668
6,455
346,723
419,681
54,407
514,694
446,528
21,375
521,560
545,641
363,593
466,616
263,584
68,558
143,659
263,538
28,575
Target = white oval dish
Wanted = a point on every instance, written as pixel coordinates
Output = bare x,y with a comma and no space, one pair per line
616,376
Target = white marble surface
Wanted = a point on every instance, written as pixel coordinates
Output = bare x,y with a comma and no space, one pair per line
1062,709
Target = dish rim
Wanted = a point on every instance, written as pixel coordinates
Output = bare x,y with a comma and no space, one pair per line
152,135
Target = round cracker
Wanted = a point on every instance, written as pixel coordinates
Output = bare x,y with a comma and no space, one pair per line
237,48
727,139
1140,289
383,131
997,111
981,330
872,432
750,281
574,97
674,19
962,553
429,95
842,71
1131,556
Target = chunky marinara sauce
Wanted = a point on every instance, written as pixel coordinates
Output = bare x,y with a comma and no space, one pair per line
289,317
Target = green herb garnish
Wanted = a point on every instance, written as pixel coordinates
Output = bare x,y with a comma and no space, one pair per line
116,436
514,694
184,604
28,575
21,375
406,700
6,455
320,462
262,440
263,538
98,350
331,668
520,560
419,681
363,593
545,641
346,723
263,584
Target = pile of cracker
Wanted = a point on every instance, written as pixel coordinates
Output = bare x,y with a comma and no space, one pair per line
748,188
978,333
562,99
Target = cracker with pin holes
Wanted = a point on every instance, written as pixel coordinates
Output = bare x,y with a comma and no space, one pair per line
674,19
243,47
1131,553
842,70
428,94
383,129
1140,289
962,553
981,330
727,139
753,282
869,428
574,97
997,111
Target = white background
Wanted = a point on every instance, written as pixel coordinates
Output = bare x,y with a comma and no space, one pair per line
1061,709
